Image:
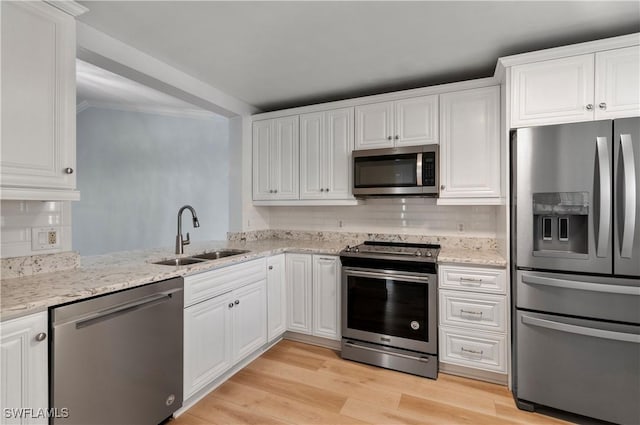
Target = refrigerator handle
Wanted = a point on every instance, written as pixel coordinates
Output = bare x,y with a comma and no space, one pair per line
629,181
603,218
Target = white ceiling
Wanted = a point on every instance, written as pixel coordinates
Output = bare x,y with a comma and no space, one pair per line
100,88
281,54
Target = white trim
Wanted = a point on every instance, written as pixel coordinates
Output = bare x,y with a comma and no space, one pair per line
113,55
71,7
470,201
570,50
467,372
331,344
385,97
308,202
148,109
32,194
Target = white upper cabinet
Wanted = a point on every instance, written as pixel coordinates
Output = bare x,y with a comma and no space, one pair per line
617,83
276,159
326,143
470,145
553,91
406,122
416,121
604,85
38,102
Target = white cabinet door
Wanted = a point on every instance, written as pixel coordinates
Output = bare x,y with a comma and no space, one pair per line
416,121
276,297
374,126
337,155
553,91
326,297
262,160
24,382
470,143
286,160
207,342
299,293
38,96
617,83
249,319
312,155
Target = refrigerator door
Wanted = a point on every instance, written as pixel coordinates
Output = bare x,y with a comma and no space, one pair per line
563,197
626,224
582,366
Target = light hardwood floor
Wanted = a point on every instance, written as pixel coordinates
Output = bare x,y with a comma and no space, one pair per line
295,383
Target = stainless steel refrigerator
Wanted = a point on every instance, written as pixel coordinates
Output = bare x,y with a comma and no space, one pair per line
576,275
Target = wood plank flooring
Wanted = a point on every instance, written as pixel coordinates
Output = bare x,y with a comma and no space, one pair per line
295,383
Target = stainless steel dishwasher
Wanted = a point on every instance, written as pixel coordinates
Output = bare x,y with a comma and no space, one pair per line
117,359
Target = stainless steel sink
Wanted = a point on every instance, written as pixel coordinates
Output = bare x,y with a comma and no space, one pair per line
214,255
179,261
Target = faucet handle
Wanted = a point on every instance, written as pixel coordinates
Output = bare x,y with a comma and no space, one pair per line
187,241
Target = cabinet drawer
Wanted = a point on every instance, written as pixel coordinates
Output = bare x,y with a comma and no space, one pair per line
473,348
475,279
210,284
473,311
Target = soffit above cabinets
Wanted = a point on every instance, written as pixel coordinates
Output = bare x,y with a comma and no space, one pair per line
276,55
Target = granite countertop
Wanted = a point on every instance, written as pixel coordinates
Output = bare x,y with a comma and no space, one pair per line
102,274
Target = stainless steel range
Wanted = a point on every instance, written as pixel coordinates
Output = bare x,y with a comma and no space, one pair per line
389,306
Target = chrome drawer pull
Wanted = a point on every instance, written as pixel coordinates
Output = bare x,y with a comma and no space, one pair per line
470,281
475,313
476,352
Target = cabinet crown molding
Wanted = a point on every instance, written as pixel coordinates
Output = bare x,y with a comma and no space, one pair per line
71,7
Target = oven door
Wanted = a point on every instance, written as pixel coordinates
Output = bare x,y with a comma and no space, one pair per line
392,308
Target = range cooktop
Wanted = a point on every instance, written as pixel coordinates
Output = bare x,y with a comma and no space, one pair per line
398,251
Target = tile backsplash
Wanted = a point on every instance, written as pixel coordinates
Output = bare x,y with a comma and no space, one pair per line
420,216
17,218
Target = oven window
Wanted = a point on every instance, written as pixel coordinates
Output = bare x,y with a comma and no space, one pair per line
388,307
385,171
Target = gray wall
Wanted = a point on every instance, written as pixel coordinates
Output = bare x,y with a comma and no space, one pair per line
135,170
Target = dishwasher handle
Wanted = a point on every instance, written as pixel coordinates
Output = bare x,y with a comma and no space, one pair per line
121,309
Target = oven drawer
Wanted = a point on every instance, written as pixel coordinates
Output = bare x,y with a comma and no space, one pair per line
475,349
477,311
476,279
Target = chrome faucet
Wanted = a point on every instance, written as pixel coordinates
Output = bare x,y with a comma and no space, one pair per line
180,243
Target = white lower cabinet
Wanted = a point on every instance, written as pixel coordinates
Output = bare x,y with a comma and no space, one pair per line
313,295
24,367
276,297
223,329
473,318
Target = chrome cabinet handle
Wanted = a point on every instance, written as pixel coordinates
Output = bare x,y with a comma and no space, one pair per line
397,137
581,330
270,267
236,302
326,190
602,105
442,187
68,170
230,305
389,137
630,192
589,107
475,313
476,352
604,219
41,336
275,191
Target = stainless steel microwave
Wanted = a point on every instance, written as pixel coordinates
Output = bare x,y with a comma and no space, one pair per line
406,171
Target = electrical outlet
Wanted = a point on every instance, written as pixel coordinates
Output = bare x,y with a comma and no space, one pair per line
43,238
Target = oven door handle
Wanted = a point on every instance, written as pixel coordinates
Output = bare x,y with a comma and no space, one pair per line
404,356
389,276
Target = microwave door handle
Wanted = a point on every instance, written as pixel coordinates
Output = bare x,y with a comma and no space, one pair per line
603,218
629,210
419,169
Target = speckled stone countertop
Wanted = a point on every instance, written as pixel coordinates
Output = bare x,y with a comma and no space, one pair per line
102,274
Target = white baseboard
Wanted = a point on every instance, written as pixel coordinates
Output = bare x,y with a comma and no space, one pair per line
468,372
313,340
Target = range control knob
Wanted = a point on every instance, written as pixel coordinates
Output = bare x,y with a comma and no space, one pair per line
355,249
347,249
429,254
418,253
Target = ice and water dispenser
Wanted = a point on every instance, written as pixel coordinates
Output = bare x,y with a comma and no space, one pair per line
560,224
